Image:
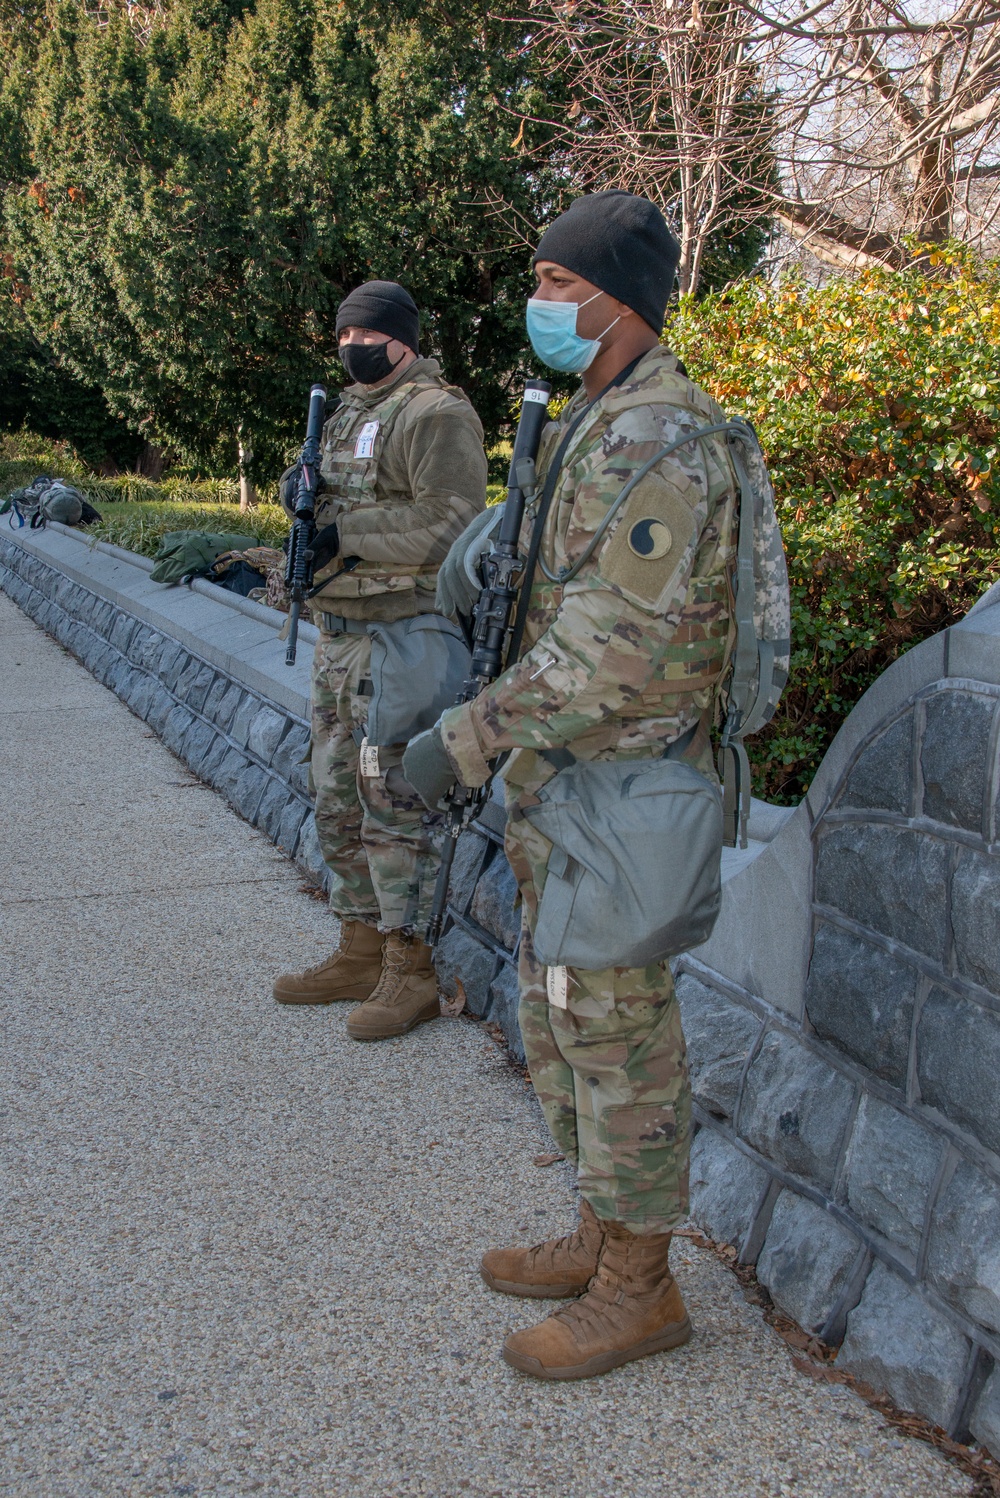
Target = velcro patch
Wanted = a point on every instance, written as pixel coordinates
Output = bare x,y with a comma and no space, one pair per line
651,542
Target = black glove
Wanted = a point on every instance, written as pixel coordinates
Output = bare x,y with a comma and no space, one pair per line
428,769
325,547
288,486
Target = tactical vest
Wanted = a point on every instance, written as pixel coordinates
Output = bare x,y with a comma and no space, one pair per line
353,442
696,658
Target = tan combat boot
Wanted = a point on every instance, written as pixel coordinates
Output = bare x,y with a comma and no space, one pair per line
407,992
351,972
633,1308
550,1271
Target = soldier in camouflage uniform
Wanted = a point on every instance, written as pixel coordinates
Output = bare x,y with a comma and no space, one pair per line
621,662
403,473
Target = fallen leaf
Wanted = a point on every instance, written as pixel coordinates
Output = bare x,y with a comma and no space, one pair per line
549,1159
452,1008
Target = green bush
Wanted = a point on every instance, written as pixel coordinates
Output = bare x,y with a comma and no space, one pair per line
877,402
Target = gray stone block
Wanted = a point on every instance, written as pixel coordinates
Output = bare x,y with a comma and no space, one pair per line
266,732
250,788
975,915
229,774
985,1421
176,728
272,807
891,1167
459,957
230,704
213,760
954,757
216,692
720,1035
891,879
104,659
198,744
467,866
86,645
173,658
243,719
292,819
193,685
145,647
142,690
806,1260
904,1348
726,1188
160,707
287,760
795,1108
122,631
105,615
309,855
958,1063
861,998
493,903
504,1000
963,1257
120,672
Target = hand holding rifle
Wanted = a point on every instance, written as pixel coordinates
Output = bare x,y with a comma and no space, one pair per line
301,561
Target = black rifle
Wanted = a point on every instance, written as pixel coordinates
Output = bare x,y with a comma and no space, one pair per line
492,617
299,567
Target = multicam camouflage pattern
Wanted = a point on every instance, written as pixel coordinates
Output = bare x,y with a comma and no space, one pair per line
628,655
622,660
405,473
374,832
610,1070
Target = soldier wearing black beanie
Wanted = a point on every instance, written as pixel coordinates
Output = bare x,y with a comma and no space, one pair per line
618,242
627,623
384,307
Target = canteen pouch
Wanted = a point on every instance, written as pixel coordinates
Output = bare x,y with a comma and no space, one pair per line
634,875
418,668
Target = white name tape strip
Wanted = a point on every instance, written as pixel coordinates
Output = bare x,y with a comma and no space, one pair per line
557,986
365,445
369,760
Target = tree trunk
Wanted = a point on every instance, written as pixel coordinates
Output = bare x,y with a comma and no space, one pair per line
248,493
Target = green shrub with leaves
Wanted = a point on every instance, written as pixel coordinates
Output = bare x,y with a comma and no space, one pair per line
877,403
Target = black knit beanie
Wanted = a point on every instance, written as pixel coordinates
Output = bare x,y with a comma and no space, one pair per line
620,243
385,307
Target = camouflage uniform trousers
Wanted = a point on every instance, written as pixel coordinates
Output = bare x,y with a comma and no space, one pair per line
374,831
610,1070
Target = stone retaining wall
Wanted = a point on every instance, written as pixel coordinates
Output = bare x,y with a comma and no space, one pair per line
239,740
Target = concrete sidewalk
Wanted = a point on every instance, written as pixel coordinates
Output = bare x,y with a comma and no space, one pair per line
238,1252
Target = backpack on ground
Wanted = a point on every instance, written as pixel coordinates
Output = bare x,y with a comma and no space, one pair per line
186,554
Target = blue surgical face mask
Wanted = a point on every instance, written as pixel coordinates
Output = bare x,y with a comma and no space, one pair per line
553,335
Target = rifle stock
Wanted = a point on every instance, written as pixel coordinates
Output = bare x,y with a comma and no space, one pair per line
493,616
299,567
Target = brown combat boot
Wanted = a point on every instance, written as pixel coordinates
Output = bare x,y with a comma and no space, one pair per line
633,1308
407,992
351,972
550,1271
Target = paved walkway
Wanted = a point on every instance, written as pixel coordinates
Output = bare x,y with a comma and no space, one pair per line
238,1251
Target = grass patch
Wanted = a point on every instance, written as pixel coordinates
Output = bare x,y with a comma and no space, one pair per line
141,526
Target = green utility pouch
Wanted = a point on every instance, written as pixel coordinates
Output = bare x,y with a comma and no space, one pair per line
418,668
634,875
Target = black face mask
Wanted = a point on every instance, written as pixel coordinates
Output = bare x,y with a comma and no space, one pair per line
367,363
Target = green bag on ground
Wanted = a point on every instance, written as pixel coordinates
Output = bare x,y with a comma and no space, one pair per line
188,553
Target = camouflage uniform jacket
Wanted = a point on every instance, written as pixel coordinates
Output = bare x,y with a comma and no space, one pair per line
626,656
405,473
